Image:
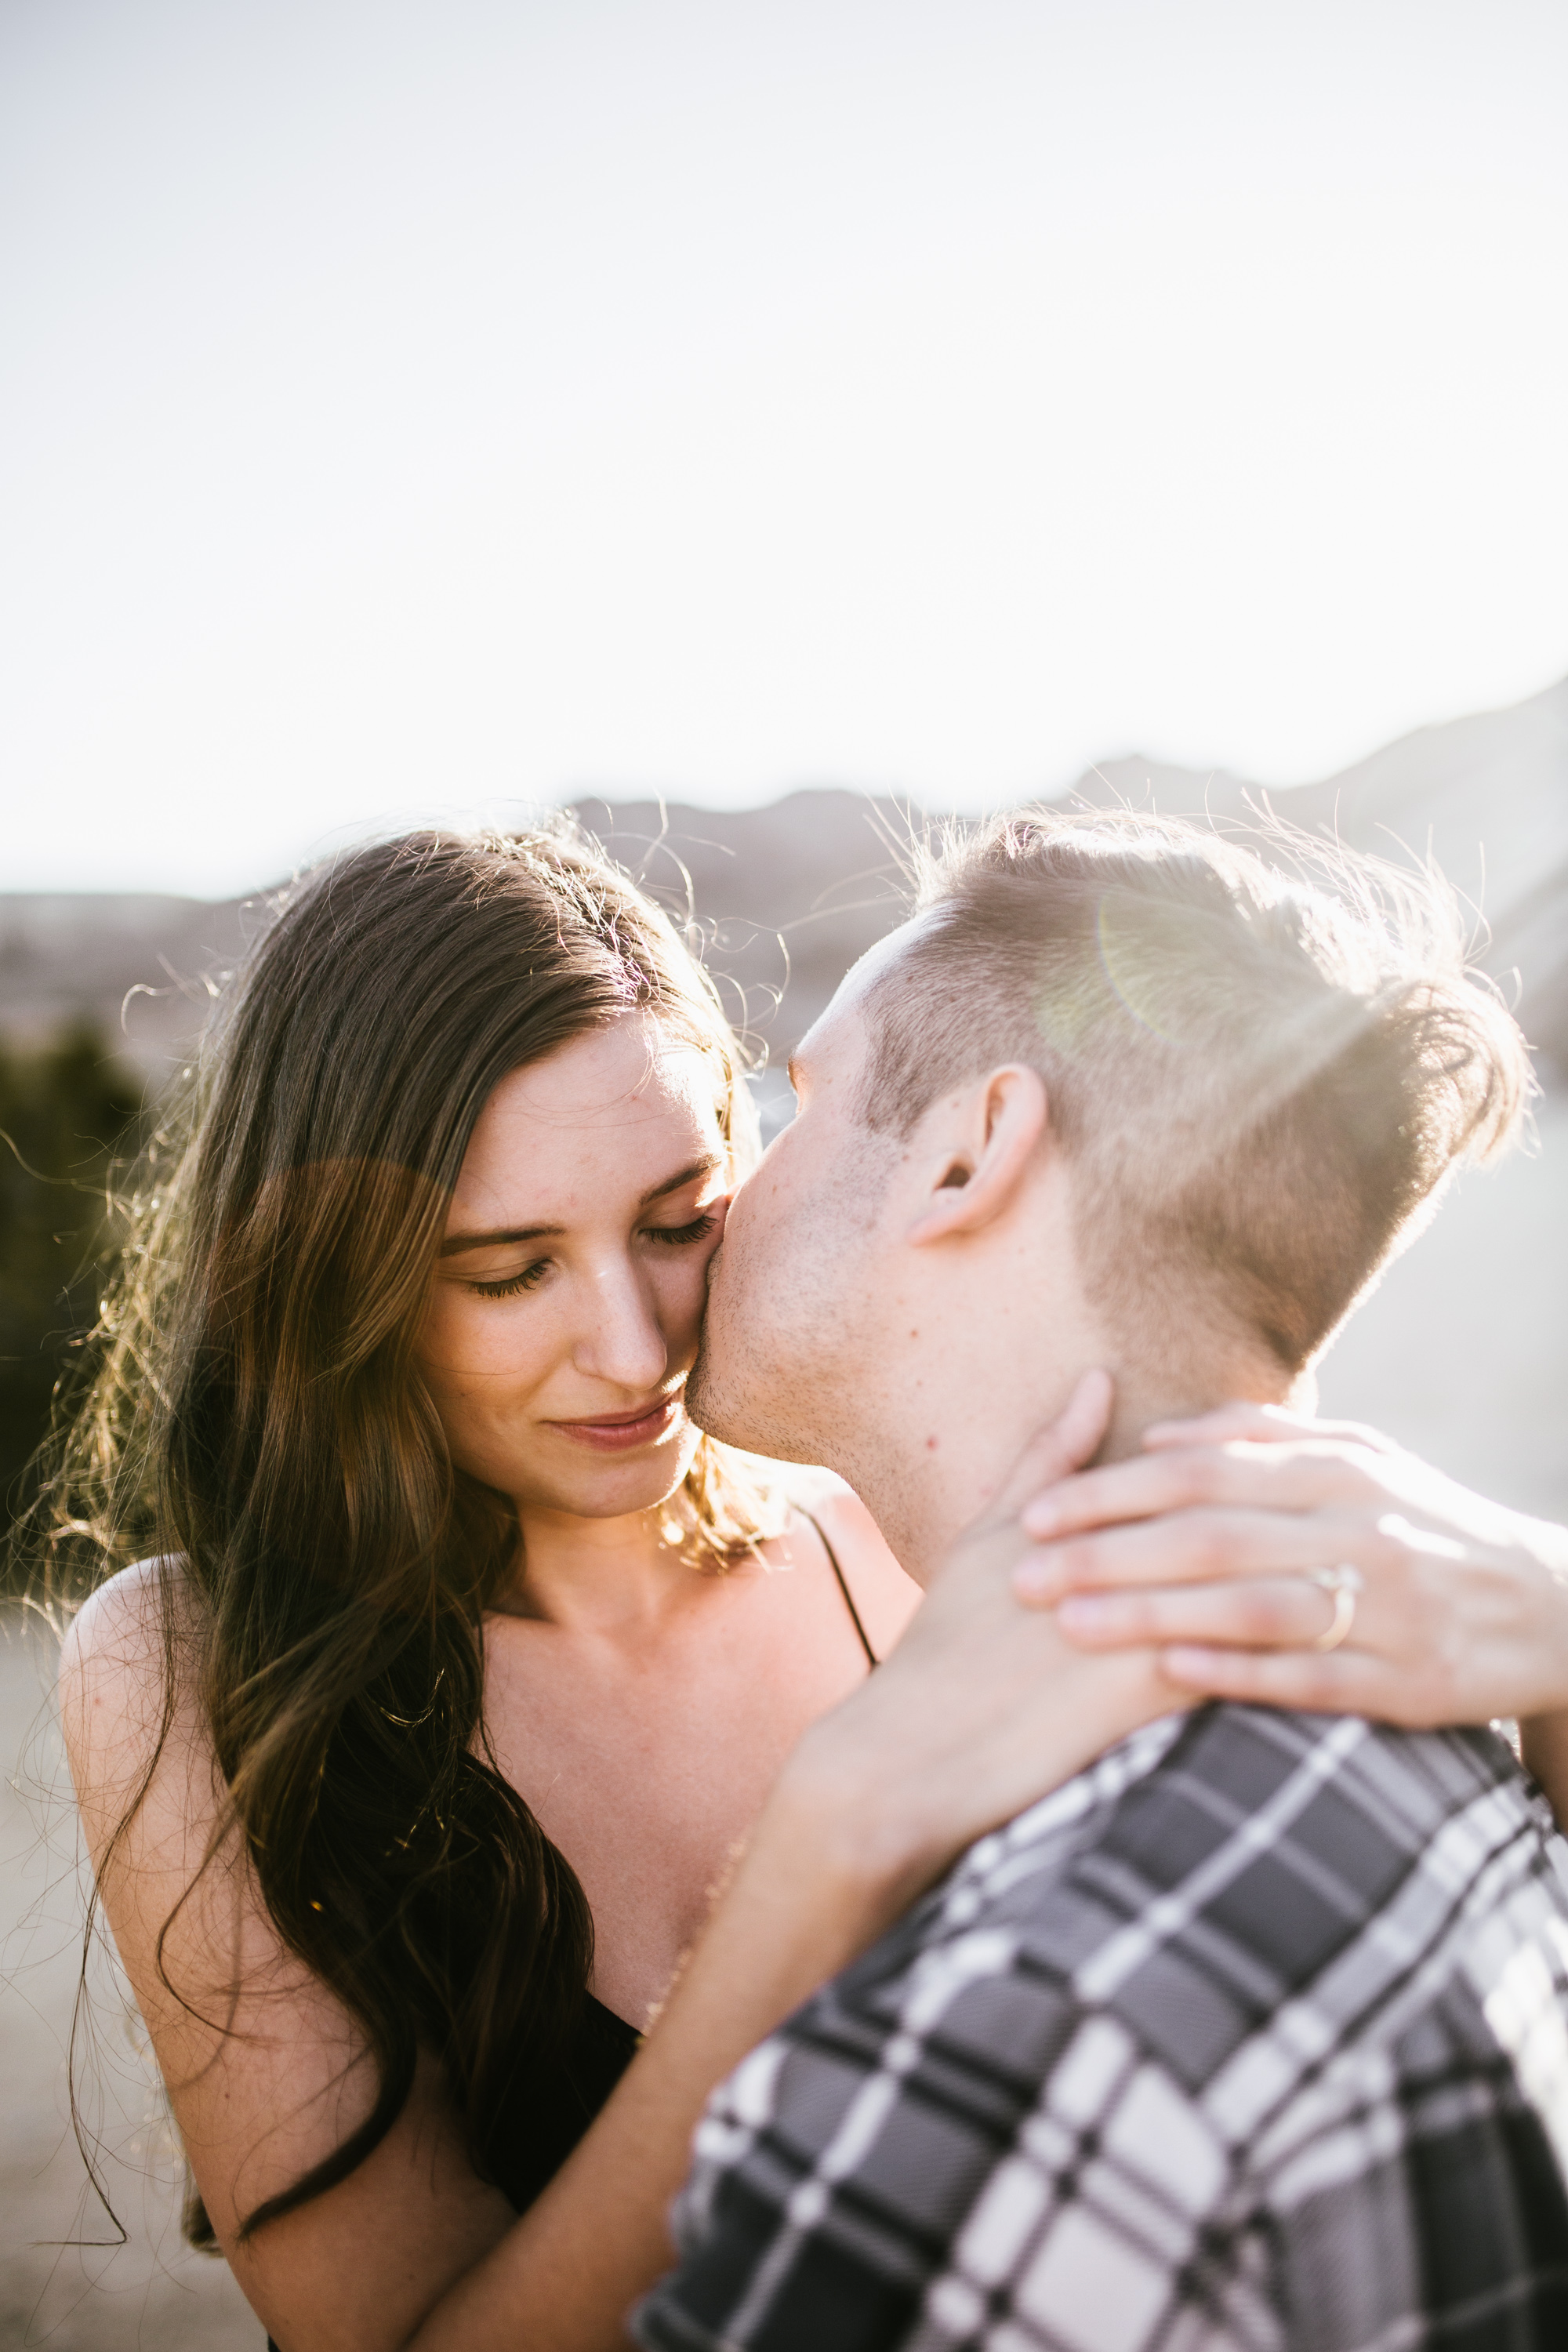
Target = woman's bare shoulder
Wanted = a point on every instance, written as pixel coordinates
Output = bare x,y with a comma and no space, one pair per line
886,1598
131,1627
119,1619
125,1678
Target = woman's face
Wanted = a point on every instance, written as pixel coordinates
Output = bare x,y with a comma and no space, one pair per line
570,1284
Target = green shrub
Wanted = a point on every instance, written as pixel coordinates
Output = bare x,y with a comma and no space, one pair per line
66,1109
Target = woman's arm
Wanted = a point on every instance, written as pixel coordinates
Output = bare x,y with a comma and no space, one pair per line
975,1716
1204,1544
971,1719
266,2076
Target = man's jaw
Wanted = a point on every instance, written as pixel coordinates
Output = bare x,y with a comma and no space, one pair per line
704,1389
703,1407
718,1417
712,1403
729,1394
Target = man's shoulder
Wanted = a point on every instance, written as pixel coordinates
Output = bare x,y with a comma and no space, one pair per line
1282,1830
1212,1871
1200,1799
1248,1962
1284,1822
1271,1858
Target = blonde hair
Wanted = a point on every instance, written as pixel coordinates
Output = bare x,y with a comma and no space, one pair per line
1265,1072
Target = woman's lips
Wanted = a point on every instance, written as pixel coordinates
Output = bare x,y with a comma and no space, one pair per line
624,1433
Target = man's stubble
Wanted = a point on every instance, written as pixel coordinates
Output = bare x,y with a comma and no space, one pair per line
788,1355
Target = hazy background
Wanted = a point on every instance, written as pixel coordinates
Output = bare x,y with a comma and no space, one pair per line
408,403
754,424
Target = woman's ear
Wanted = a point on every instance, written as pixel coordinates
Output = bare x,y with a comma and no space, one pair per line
1000,1121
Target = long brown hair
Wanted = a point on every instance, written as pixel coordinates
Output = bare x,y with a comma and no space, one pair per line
257,1425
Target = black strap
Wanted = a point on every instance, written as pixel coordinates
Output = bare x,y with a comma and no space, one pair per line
843,1584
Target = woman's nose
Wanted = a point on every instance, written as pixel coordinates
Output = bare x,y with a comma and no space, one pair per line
623,1340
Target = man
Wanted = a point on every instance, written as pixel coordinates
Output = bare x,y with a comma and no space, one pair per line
1253,2034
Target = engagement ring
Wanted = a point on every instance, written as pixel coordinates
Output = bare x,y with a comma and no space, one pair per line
1344,1583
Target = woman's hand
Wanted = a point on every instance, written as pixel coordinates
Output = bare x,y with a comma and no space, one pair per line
1204,1546
975,1714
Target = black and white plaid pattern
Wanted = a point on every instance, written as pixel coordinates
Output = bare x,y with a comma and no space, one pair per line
1253,2035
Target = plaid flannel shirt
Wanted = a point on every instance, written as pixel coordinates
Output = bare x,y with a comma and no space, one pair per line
1251,2036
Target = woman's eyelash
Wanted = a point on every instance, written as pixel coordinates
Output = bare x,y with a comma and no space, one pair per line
516,1285
695,1231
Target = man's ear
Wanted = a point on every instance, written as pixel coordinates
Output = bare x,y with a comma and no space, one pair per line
989,1143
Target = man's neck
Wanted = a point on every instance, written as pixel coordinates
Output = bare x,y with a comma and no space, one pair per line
922,1492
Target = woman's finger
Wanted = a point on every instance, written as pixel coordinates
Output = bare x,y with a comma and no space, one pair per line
1306,1476
1265,1612
1259,1424
1058,1449
1337,1682
1190,1548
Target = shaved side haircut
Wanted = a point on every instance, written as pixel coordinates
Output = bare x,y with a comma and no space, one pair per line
1260,1070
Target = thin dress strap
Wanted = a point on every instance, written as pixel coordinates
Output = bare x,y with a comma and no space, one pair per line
843,1584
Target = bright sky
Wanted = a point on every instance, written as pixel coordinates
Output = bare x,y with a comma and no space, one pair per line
409,406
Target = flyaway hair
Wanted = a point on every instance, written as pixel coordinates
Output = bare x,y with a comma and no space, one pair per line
258,1428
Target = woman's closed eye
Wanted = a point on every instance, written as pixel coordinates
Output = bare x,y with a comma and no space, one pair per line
529,1277
682,1236
511,1286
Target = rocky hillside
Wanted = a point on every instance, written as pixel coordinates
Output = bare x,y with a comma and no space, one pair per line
788,897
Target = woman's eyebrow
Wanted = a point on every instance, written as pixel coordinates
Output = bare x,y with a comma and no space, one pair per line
678,1183
454,1243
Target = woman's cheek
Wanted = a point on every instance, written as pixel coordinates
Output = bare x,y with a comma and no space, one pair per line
708,1250
467,1338
446,1339
682,1292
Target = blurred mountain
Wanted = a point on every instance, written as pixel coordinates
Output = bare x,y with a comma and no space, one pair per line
134,966
786,898
800,890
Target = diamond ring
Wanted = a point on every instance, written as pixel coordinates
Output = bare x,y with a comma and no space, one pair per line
1343,1584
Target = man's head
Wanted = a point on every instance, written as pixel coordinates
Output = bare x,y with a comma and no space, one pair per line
1121,1093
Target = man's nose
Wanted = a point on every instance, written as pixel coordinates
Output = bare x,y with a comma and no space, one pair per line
623,1340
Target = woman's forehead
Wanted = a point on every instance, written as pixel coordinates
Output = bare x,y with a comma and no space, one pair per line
634,1069
608,1103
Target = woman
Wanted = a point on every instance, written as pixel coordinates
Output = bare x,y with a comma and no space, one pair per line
459,1664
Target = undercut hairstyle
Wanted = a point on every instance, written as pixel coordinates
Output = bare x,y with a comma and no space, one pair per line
1260,1070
